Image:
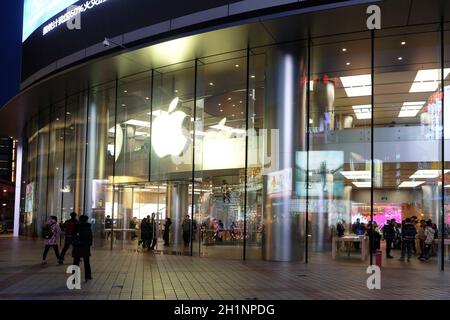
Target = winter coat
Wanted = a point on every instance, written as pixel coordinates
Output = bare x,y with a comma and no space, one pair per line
82,240
56,230
408,231
388,231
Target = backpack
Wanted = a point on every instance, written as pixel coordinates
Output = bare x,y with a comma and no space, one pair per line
47,232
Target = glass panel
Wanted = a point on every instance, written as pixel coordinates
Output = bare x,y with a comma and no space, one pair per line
256,155
99,166
220,154
407,143
55,172
75,154
339,160
132,129
171,146
42,169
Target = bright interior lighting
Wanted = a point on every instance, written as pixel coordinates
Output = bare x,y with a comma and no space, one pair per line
357,86
410,109
410,184
427,174
428,80
362,184
138,123
363,111
353,175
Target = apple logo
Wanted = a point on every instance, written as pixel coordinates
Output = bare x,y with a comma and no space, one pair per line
168,136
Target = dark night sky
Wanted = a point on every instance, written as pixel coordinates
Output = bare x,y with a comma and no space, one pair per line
11,41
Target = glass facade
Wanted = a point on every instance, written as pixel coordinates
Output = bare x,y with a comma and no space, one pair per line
301,151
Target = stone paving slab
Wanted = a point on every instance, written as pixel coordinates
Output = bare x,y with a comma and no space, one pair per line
131,275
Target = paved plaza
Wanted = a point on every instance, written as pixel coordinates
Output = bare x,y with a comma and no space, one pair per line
129,274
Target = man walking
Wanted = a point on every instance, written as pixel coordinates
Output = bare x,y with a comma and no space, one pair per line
69,230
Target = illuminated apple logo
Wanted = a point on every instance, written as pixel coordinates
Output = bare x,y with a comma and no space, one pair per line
168,137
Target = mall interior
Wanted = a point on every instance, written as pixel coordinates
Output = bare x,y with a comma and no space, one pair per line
267,134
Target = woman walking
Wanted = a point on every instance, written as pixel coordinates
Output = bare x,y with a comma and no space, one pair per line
51,232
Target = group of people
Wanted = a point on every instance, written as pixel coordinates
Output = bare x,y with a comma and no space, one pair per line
77,233
410,236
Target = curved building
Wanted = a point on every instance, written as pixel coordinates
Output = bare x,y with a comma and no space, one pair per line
258,127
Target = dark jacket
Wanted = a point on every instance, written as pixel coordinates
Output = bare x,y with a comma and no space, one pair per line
389,231
409,231
82,240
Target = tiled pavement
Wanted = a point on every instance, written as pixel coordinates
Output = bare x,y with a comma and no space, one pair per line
130,274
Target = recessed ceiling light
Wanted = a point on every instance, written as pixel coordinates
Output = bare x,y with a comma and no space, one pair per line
427,174
410,184
125,91
357,86
252,76
236,65
240,101
363,111
362,184
411,109
147,98
57,119
124,105
234,105
403,43
229,99
428,80
211,83
232,115
221,110
353,175
242,112
176,91
138,123
348,63
219,104
344,49
400,58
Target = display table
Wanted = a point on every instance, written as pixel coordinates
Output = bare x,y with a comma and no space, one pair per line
338,241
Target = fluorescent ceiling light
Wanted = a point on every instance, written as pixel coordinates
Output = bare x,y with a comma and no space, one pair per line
138,123
410,109
410,184
363,111
428,80
427,174
357,86
141,133
362,184
353,175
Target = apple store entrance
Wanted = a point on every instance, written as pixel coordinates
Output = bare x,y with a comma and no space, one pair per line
161,213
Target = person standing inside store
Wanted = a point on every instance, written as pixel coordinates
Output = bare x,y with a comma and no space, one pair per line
69,230
108,226
82,242
408,236
51,232
416,225
153,235
166,234
389,236
429,233
144,233
186,226
133,223
421,236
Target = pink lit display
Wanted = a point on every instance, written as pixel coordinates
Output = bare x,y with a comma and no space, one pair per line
387,212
